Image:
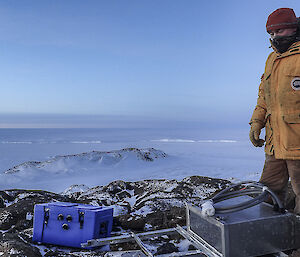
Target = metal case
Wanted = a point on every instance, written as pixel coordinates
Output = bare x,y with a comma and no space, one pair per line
251,232
70,224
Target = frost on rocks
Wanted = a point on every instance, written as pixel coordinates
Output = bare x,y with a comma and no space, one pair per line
159,203
13,251
5,216
138,206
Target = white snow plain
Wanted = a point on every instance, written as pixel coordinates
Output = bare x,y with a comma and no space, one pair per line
68,161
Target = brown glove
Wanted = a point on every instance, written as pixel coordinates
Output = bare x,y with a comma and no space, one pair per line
254,135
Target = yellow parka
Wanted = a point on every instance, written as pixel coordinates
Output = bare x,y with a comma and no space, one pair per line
278,104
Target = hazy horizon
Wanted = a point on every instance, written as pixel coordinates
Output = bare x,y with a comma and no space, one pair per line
42,120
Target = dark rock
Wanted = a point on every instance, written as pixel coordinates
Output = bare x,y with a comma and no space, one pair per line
191,248
2,202
295,253
51,253
7,220
13,245
57,253
5,196
129,186
136,223
24,203
23,224
167,248
123,194
167,219
125,246
115,187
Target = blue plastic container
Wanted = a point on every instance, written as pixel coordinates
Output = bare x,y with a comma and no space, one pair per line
70,224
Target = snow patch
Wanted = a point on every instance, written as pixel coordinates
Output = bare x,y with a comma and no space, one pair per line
75,188
174,140
217,141
85,142
14,251
16,142
167,140
183,246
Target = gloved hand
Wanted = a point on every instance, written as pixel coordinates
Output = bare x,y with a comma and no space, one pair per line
254,135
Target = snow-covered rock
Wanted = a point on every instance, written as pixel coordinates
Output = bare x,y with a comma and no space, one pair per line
138,206
75,189
71,163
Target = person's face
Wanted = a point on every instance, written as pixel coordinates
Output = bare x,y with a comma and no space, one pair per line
282,32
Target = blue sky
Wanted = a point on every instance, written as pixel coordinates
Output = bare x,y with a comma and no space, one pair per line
187,60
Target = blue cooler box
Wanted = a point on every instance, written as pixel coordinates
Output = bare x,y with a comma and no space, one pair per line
70,224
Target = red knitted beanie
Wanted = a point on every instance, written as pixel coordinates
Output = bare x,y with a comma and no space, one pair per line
282,18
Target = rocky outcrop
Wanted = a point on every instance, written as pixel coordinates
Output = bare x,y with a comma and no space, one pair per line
20,202
138,206
151,204
12,244
15,240
63,163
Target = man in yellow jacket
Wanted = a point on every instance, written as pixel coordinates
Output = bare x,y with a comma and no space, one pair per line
278,106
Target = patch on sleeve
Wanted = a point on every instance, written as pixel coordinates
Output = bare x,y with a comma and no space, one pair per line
295,84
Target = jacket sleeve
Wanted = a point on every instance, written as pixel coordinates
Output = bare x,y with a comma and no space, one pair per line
260,110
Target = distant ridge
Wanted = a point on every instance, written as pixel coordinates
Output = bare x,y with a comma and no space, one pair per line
64,163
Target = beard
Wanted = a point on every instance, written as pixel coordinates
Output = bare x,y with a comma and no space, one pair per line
282,43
